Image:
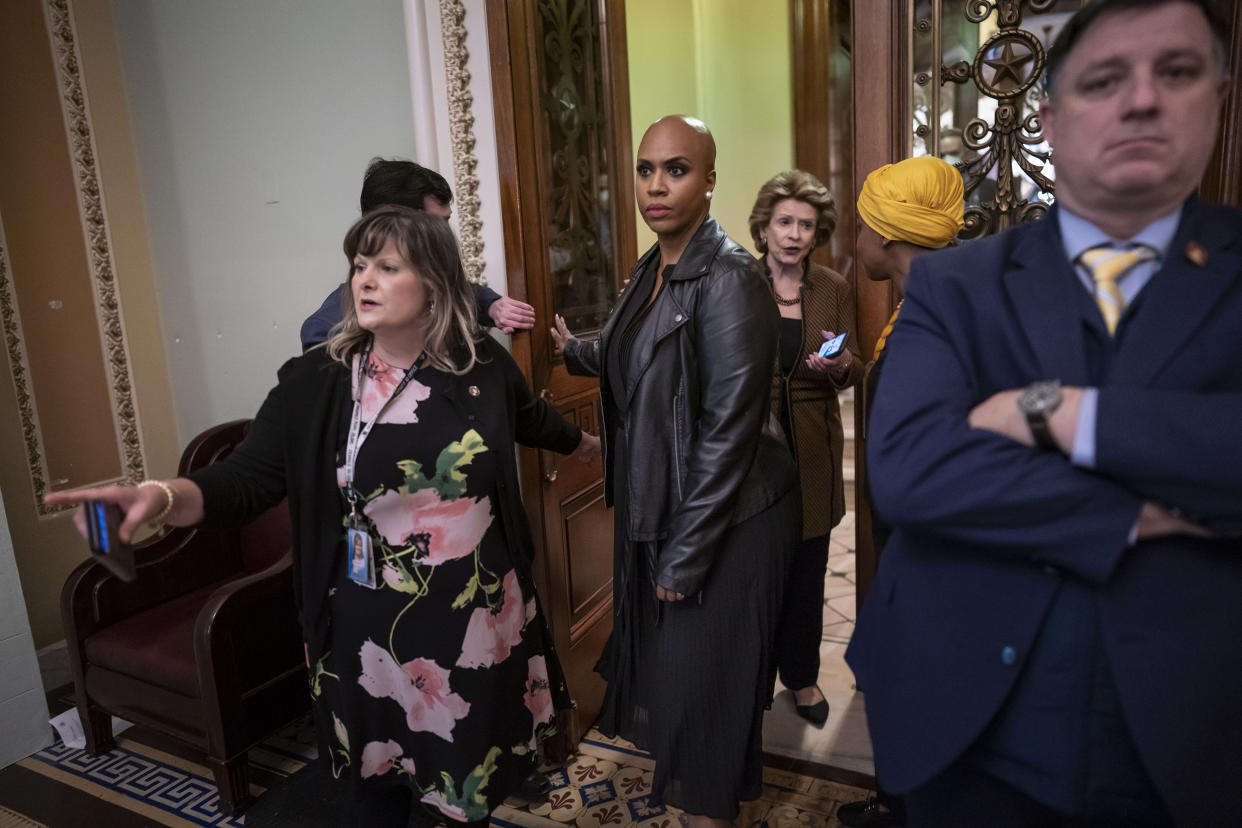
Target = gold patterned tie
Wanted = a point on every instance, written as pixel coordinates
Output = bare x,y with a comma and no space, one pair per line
1107,265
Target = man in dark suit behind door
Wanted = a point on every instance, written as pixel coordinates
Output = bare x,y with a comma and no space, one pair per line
1052,637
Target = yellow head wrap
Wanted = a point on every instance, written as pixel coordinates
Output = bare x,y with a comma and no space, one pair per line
918,200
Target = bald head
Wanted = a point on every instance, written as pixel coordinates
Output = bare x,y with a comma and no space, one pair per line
693,132
675,173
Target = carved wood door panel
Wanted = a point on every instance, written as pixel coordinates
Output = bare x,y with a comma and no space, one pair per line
560,92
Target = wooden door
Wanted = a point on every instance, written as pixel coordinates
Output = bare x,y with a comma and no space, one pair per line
847,62
561,99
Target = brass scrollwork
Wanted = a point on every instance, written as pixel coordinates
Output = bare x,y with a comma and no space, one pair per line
1008,12
956,73
1007,68
573,100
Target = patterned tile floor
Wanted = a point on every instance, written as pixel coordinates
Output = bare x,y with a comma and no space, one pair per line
608,783
156,781
839,584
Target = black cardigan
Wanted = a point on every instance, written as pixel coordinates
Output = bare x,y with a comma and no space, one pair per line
293,445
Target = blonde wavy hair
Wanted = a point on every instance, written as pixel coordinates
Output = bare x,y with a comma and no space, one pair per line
800,186
427,244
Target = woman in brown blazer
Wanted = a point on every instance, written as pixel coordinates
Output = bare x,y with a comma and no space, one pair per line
793,214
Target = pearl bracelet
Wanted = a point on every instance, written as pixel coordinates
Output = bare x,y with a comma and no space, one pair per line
168,493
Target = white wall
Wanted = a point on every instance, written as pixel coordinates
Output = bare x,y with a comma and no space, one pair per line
23,707
237,104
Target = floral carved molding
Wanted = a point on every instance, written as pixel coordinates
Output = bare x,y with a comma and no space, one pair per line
461,132
59,17
19,368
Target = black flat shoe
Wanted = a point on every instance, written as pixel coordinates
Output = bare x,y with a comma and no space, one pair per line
872,813
816,713
534,788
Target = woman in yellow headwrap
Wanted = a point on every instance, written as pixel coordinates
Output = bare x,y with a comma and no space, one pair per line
906,209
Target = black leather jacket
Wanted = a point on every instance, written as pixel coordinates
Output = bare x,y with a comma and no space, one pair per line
704,452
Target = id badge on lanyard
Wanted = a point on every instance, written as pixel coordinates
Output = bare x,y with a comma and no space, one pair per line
360,556
361,560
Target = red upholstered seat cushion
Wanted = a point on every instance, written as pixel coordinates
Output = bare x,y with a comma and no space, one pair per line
266,539
156,646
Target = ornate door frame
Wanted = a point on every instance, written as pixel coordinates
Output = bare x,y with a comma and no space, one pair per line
561,95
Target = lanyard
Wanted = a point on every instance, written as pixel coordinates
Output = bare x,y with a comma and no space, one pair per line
358,432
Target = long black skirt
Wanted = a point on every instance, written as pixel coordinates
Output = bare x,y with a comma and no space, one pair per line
688,681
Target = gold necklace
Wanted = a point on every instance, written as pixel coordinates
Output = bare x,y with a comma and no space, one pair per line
781,300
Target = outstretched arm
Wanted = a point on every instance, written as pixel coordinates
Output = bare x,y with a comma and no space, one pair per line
581,358
146,503
503,312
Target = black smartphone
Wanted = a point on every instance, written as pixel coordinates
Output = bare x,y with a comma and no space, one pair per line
833,346
103,520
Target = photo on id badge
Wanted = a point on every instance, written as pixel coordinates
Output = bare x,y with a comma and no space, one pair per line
361,566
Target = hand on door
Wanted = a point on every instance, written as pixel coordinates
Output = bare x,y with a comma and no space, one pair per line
588,448
560,335
511,315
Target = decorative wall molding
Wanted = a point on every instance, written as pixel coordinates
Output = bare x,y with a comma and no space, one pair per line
83,156
461,132
19,368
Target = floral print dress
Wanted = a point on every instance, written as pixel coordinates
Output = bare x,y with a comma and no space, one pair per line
436,678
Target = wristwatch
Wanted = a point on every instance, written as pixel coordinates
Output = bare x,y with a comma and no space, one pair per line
1037,402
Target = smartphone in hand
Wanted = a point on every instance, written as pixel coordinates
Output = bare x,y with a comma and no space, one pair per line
103,520
832,347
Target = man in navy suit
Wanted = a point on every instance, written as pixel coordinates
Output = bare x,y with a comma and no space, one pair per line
1053,633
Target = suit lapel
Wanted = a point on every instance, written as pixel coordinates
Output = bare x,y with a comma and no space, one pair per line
1177,300
1041,284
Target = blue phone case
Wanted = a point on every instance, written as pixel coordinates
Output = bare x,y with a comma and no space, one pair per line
833,346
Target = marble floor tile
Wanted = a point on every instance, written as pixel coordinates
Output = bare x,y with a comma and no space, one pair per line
844,604
843,741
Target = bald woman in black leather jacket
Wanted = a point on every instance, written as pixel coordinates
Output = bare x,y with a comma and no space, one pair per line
707,506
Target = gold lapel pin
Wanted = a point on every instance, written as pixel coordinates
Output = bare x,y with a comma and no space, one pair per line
1196,254
473,390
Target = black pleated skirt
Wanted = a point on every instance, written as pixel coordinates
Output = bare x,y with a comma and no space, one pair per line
688,681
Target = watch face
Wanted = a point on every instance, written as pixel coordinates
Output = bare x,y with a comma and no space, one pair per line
1041,396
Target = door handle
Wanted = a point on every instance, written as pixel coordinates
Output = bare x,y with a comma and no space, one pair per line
551,462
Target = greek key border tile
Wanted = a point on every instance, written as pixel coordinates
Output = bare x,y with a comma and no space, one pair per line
461,132
189,796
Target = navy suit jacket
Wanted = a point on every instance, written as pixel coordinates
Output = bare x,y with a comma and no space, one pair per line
985,527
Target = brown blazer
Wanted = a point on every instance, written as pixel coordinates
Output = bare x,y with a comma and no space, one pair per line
811,397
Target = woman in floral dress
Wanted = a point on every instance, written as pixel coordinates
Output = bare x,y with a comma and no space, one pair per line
431,667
